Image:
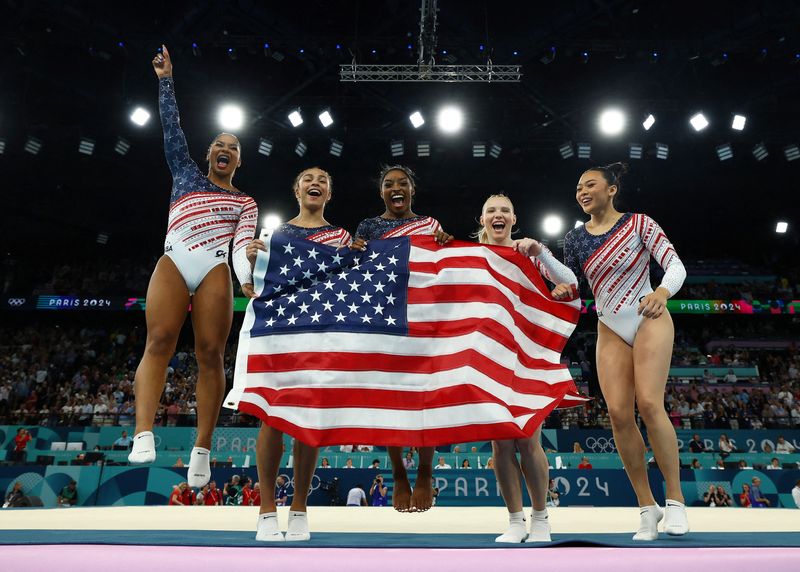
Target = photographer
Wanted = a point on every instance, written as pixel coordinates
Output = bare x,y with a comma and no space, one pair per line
378,492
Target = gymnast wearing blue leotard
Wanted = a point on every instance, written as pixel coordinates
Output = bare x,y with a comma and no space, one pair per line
635,335
206,214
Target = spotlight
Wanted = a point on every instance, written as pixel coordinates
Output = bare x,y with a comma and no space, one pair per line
654,55
725,152
782,227
86,146
738,122
33,145
265,146
122,146
578,223
585,57
699,121
566,150
295,118
548,56
648,122
791,152
662,151
232,53
301,148
635,150
478,149
325,118
231,117
760,152
270,222
423,148
416,119
2,146
612,122
336,148
584,150
267,50
196,50
397,148
450,119
140,116
495,149
552,225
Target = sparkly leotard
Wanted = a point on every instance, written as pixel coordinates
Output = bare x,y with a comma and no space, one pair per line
617,266
203,218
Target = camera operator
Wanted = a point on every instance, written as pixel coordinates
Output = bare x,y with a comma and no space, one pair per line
378,491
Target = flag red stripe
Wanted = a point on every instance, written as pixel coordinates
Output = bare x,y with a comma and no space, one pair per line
343,361
479,293
331,398
393,437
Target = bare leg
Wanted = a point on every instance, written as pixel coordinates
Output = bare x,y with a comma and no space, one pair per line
507,471
652,353
269,449
422,498
401,494
305,462
212,313
165,312
615,373
535,468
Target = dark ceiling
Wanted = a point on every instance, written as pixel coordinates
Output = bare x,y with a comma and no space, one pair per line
76,69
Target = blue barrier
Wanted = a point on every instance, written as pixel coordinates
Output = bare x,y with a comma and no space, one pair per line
137,486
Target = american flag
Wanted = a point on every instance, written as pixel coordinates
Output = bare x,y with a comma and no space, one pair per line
408,343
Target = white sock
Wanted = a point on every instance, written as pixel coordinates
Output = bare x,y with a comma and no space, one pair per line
268,530
517,530
540,527
199,472
298,526
649,517
676,522
144,448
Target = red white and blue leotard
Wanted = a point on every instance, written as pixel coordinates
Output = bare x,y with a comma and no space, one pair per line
379,227
617,266
203,218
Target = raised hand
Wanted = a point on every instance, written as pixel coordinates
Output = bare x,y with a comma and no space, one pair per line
162,63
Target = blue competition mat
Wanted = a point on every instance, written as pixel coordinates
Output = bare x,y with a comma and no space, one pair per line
382,540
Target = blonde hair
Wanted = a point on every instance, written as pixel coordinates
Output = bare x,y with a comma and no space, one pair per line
480,233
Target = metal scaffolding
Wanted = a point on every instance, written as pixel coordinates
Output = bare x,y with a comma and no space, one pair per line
486,73
426,69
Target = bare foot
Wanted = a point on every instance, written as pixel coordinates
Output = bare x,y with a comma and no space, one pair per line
401,494
422,499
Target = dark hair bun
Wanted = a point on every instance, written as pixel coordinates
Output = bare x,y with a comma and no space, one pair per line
618,169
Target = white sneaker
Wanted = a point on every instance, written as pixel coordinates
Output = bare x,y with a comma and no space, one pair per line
199,472
298,527
144,449
268,530
649,517
540,530
515,533
676,522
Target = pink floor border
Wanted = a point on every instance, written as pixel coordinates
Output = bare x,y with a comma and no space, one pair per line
117,558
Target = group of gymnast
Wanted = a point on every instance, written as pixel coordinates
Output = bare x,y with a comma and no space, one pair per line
611,251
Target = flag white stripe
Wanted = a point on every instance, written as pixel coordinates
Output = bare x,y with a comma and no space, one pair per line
383,343
394,419
471,276
407,382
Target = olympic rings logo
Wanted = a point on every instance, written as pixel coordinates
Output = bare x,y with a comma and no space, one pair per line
601,445
315,483
16,302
